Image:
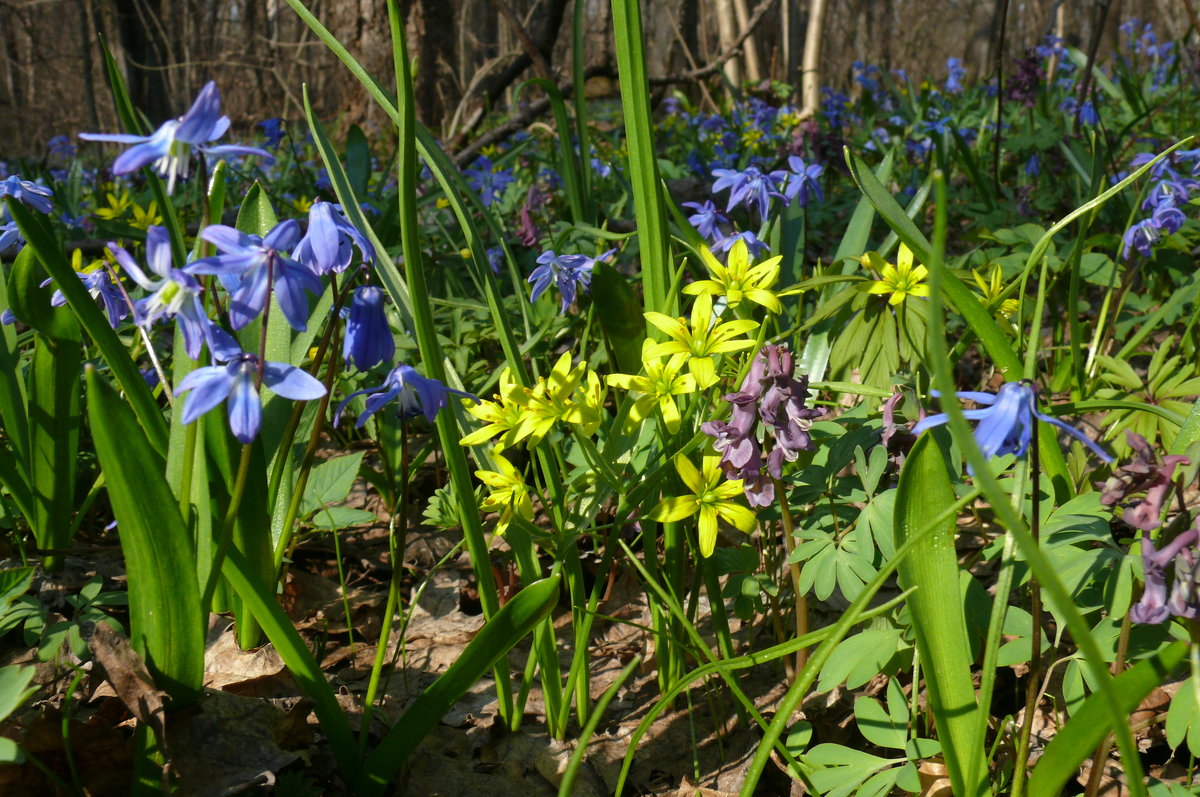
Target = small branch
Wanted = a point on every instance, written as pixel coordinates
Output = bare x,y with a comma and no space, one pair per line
734,48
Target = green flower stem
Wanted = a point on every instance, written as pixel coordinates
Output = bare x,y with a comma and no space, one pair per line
239,489
430,349
396,546
310,452
789,544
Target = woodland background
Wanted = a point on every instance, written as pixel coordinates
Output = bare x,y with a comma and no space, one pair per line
471,53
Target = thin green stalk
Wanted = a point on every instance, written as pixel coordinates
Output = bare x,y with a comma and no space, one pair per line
789,543
430,349
396,552
566,788
1035,635
239,488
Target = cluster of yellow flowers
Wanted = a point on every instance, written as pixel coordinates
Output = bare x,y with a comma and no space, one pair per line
680,365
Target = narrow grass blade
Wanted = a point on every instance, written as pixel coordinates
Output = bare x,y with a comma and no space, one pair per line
167,626
565,789
425,332
568,162
653,241
13,396
507,627
939,620
1088,726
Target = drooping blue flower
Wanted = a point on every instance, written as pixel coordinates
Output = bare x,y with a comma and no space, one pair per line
36,196
487,181
247,262
751,187
415,395
100,285
802,181
755,246
954,80
706,218
174,294
495,258
328,244
10,236
1141,238
60,147
272,131
369,339
567,272
170,147
1033,166
236,380
1007,423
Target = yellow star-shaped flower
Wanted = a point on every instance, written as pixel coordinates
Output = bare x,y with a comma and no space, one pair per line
662,382
712,497
738,279
901,280
701,339
509,495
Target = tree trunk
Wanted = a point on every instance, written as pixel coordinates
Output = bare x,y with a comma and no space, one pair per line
810,78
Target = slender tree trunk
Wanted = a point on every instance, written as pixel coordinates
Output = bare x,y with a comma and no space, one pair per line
727,32
810,78
754,72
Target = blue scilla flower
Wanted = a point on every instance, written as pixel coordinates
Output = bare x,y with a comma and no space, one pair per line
1141,238
38,197
10,236
328,244
100,285
1033,166
567,272
706,218
954,80
173,293
368,337
751,187
803,181
170,147
235,381
272,131
1006,424
244,268
487,181
753,245
415,395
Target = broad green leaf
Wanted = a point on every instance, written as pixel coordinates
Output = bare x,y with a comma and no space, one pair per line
167,625
877,726
330,482
14,688
358,160
939,621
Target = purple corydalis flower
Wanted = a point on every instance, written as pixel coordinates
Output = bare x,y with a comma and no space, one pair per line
251,264
328,244
1155,606
174,294
36,196
368,337
170,147
1147,473
706,218
802,182
567,272
770,393
236,380
751,187
415,395
1006,424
